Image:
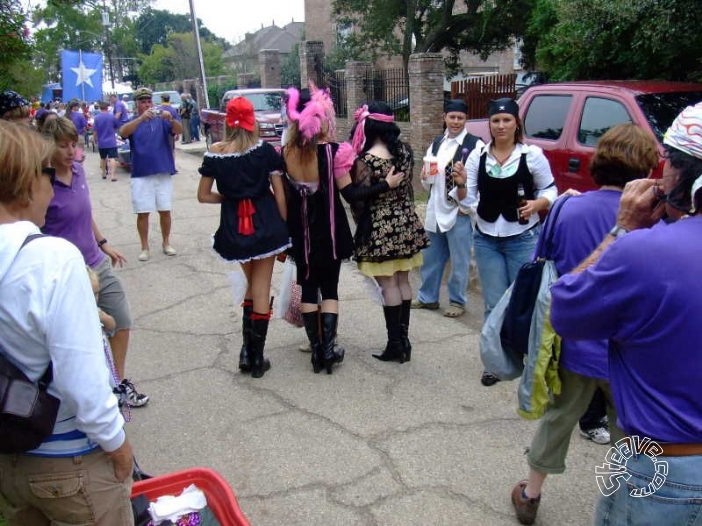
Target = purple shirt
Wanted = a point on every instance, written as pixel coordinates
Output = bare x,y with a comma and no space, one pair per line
645,296
170,109
121,107
78,120
70,216
151,148
106,124
582,224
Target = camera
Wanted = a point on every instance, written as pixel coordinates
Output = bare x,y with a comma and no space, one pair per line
157,112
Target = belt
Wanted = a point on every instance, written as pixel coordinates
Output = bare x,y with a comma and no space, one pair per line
680,450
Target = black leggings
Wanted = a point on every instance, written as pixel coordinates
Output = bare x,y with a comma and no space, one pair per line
322,278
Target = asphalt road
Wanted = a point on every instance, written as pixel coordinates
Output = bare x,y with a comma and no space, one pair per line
373,444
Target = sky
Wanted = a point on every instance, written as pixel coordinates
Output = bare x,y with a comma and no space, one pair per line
232,20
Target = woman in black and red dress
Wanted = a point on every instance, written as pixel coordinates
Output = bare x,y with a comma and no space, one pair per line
252,227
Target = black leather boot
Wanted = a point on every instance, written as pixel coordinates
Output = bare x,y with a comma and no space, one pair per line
311,320
404,325
244,362
394,349
330,355
259,331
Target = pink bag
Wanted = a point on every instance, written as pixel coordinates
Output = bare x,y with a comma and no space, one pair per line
292,314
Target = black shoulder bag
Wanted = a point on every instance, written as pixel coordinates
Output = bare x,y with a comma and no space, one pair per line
27,412
517,323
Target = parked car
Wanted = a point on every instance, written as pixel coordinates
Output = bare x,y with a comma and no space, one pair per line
267,103
174,95
566,119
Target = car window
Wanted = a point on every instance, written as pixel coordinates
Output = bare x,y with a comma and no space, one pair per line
175,98
261,101
661,108
599,115
546,116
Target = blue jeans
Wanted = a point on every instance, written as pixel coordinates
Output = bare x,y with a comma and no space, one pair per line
499,259
195,127
677,501
454,245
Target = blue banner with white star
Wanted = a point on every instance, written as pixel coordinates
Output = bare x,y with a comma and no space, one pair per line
82,75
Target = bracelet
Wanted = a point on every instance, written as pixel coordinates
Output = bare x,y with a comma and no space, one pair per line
103,241
461,185
618,231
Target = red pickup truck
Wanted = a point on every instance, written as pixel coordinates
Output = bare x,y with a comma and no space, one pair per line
566,119
267,105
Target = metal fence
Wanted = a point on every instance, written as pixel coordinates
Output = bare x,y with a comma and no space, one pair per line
391,86
480,91
335,81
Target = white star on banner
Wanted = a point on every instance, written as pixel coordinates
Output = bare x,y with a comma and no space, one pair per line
83,74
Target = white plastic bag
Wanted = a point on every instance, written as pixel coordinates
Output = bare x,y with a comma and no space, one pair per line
287,278
238,285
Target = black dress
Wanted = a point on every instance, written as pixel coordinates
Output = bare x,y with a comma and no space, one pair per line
316,216
250,225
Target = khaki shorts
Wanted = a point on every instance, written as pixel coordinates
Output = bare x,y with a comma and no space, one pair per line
112,298
79,490
152,193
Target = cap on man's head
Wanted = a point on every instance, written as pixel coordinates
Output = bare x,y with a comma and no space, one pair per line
143,93
10,100
240,114
456,105
505,105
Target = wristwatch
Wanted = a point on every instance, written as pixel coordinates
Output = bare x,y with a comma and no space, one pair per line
463,185
618,231
103,241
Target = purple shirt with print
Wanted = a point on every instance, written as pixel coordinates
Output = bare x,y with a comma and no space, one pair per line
151,148
644,295
106,125
70,216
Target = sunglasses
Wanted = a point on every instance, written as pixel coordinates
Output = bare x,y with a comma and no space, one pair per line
51,172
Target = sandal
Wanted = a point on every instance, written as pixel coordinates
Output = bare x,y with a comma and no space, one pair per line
454,310
416,304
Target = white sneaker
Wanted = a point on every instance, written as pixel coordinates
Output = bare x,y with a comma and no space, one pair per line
599,435
144,255
134,398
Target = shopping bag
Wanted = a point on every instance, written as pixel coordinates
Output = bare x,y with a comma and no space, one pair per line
497,360
289,296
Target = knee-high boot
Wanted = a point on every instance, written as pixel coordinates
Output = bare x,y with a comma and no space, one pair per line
330,356
244,361
311,320
259,331
394,349
404,325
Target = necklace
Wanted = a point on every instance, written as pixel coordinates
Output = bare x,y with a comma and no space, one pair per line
502,159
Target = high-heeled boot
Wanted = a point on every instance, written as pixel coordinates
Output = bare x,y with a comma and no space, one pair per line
311,320
393,349
330,356
244,361
404,326
259,331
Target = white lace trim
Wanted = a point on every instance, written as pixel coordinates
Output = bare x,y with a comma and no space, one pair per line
259,256
235,154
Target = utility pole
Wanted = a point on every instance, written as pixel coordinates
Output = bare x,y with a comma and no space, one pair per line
196,31
106,25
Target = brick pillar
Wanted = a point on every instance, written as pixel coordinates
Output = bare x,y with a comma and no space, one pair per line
355,84
426,86
311,62
244,80
269,62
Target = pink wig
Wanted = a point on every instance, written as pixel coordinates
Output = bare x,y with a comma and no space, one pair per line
319,110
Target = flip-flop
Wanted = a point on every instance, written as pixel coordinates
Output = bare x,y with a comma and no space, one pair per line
454,310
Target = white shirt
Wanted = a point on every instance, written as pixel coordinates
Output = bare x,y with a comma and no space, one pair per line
540,170
441,214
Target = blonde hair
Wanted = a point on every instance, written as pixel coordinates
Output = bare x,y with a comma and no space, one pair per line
94,280
20,113
23,152
61,129
240,139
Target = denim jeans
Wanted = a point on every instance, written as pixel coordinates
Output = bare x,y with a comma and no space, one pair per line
677,501
454,245
499,259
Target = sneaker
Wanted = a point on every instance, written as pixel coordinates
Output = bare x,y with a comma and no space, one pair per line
488,379
525,508
134,399
416,304
599,435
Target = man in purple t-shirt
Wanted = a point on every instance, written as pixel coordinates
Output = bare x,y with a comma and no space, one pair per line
119,109
641,290
152,168
106,125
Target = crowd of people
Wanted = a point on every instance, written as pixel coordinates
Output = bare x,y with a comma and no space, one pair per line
484,199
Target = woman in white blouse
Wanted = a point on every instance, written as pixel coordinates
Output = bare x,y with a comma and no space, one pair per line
512,183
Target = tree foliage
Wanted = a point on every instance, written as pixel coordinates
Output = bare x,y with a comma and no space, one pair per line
403,27
616,39
16,70
178,59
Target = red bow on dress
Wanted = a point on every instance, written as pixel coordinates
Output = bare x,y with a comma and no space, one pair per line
246,210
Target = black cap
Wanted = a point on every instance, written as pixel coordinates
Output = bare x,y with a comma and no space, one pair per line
505,105
456,105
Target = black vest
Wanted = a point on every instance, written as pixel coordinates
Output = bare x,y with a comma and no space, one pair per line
499,196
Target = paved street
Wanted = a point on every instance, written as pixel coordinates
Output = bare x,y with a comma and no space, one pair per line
373,444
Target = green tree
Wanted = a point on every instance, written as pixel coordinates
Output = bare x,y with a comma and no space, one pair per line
412,26
616,39
178,60
16,70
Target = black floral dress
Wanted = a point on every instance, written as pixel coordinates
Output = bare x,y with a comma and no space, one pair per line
250,225
389,234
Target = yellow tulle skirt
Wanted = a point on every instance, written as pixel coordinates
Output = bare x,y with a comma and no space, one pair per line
388,268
